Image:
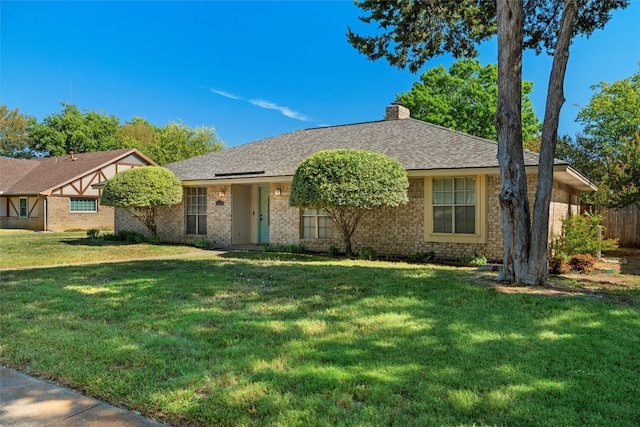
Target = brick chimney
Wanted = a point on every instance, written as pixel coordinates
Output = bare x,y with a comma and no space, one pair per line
397,111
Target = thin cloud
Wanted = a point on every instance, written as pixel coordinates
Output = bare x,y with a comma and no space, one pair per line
225,94
286,111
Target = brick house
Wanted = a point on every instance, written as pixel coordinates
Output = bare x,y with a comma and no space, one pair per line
240,195
57,193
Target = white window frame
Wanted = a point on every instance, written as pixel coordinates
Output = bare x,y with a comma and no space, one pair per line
26,207
194,208
82,201
315,215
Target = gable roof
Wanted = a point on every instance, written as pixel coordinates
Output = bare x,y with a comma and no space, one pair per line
41,176
416,144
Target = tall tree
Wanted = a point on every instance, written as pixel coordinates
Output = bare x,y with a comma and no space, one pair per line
465,99
177,141
413,32
14,133
74,130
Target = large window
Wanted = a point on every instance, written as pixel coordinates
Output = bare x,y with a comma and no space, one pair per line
23,207
316,225
83,205
196,210
454,205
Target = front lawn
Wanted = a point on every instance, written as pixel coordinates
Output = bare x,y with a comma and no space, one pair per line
273,339
26,249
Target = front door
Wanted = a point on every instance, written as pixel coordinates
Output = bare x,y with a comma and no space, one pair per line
263,217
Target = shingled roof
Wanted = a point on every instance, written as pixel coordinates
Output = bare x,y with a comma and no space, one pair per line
41,176
417,145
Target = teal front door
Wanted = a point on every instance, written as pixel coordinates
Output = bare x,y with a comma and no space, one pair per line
263,217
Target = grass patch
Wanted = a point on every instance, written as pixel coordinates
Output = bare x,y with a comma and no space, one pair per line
39,249
293,339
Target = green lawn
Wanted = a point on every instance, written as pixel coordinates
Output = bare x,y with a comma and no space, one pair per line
275,339
32,249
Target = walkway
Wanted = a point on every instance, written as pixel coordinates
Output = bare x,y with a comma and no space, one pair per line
28,402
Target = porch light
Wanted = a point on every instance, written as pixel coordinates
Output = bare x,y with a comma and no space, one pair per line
278,191
221,194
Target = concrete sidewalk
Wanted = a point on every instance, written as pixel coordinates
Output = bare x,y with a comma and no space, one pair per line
28,402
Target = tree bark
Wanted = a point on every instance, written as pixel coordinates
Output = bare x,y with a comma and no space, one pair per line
538,273
526,244
516,223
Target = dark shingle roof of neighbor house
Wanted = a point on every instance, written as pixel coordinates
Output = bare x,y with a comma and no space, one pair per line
19,176
417,145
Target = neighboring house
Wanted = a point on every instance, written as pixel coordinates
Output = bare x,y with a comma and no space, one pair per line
239,195
56,193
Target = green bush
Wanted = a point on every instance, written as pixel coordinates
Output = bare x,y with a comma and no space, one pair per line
204,243
422,257
154,239
130,236
333,250
291,249
582,262
93,234
478,260
580,236
367,253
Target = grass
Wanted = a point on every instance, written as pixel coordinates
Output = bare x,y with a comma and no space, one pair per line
40,249
290,339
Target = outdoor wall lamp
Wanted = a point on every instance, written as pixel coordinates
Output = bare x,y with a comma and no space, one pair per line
221,194
278,191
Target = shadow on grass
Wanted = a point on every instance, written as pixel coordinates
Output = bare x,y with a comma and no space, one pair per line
243,340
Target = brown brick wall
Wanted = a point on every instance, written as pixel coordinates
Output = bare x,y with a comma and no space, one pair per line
62,219
391,231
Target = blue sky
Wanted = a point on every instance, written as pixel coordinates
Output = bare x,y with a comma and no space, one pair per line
250,69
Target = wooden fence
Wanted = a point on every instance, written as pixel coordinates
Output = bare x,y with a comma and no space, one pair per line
622,224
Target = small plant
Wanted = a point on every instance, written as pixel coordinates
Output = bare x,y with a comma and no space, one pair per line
204,243
580,236
155,239
291,249
558,264
422,257
583,263
110,237
478,260
130,236
367,253
333,251
93,234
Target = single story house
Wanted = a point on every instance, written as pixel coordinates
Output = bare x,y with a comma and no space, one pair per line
239,195
57,193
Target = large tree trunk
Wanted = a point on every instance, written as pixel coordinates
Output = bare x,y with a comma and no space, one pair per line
516,224
526,244
538,270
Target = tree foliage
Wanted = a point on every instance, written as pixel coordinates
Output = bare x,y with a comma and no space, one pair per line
409,33
74,130
465,99
606,150
143,189
86,131
170,143
14,133
346,183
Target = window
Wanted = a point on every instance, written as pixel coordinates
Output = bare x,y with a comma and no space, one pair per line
454,205
196,207
316,224
83,205
23,207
